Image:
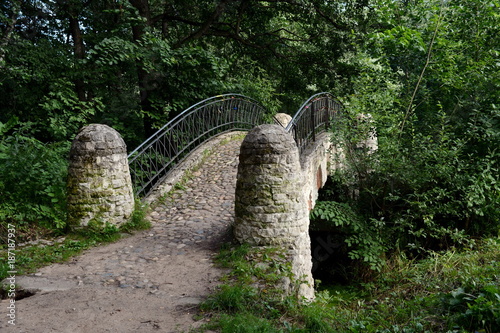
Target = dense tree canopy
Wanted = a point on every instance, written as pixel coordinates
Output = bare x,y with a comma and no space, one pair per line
427,71
133,63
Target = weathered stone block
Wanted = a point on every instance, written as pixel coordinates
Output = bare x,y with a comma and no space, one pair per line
99,183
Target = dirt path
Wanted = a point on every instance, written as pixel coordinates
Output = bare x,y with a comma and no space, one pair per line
149,282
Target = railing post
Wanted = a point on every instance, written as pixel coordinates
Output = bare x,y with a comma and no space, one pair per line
327,122
313,123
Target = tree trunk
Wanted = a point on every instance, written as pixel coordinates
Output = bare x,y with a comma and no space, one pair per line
8,31
142,75
79,51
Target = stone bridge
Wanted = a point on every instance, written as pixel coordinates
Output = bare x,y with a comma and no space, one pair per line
280,169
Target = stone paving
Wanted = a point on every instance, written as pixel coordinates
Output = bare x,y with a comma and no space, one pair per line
198,213
172,262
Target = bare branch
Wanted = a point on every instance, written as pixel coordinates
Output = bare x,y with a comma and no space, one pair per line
427,62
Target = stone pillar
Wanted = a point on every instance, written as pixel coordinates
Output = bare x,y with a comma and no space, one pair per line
270,206
99,183
283,118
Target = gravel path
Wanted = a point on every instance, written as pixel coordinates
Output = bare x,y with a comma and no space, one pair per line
149,282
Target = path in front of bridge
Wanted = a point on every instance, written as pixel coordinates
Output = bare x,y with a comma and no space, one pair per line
151,281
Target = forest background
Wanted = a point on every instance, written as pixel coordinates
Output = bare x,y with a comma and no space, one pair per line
428,72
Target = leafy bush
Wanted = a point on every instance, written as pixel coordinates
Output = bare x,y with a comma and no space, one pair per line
474,310
362,236
429,84
66,113
32,178
417,194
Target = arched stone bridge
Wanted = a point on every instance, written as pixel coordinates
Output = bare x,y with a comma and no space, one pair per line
262,185
281,167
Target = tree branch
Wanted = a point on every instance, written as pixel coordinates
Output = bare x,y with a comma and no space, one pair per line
427,62
218,11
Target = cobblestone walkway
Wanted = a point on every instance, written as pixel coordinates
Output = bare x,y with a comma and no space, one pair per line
149,282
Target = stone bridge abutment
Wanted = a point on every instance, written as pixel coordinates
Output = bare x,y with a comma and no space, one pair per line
275,190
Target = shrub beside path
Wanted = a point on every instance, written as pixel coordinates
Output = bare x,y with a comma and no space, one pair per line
151,281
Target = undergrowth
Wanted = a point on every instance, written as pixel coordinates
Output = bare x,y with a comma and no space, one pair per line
450,291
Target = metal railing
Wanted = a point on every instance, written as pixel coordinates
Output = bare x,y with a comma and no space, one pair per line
153,160
313,117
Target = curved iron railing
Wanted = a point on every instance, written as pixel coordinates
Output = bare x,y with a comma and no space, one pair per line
313,117
152,161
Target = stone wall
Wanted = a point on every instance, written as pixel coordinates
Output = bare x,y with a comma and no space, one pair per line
99,183
315,162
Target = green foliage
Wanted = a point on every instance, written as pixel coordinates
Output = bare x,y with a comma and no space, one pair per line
99,231
362,236
425,76
430,193
65,113
138,219
245,323
32,178
452,291
113,51
269,266
231,299
474,311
